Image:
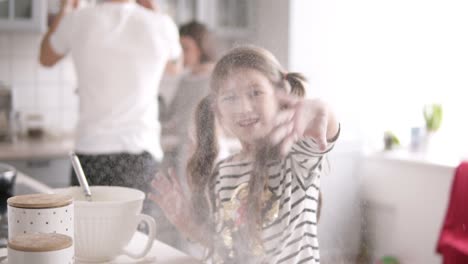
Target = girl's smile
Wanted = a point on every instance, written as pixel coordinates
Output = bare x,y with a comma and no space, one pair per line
247,104
248,122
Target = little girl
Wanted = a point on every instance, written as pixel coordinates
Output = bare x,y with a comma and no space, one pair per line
259,205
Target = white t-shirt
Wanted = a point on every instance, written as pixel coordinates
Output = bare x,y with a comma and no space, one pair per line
120,51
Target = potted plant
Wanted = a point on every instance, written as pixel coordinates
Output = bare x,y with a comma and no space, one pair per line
433,118
390,140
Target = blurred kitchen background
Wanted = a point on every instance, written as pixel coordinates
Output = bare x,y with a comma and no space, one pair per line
377,62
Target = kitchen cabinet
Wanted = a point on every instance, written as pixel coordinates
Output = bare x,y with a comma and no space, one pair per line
182,11
23,15
405,197
53,172
228,18
233,18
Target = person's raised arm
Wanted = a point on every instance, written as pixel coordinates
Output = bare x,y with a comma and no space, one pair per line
304,118
48,56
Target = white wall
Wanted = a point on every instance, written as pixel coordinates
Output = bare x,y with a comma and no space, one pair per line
47,91
309,53
340,223
313,51
272,28
380,61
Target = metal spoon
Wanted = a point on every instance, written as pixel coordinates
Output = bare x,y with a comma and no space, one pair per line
81,176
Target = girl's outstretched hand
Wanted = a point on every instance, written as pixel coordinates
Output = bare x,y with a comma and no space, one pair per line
171,199
299,118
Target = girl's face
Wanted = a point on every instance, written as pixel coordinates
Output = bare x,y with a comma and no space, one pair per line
192,53
247,104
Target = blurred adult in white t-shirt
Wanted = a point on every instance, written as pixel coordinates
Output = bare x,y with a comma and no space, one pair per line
120,49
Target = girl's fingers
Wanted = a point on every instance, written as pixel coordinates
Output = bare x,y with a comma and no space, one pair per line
162,178
169,187
155,198
287,143
323,136
156,185
161,185
318,131
175,179
281,132
169,212
165,200
283,116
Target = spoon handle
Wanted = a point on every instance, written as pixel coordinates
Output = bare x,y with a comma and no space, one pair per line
80,175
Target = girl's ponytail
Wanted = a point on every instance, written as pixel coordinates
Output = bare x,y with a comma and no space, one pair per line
297,82
200,165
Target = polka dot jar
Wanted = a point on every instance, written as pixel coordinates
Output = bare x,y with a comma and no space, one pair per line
40,248
44,213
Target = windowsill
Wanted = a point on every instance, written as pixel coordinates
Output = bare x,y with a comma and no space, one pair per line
440,159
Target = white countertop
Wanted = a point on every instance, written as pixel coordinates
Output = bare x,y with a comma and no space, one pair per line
160,253
47,147
439,159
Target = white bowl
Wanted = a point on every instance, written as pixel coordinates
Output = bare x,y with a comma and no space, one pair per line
106,225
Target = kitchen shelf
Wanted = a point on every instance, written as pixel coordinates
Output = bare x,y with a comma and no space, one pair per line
23,15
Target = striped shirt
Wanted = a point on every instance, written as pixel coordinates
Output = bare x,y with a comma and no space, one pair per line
289,205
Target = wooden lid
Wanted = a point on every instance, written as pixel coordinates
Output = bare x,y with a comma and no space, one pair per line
40,200
40,242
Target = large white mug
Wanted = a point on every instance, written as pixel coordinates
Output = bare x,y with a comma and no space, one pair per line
105,225
44,213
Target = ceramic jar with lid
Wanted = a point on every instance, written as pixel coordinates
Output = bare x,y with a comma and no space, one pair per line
44,213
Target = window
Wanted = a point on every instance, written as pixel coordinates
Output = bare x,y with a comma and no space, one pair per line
379,62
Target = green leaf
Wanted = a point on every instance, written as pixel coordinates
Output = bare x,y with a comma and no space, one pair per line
433,116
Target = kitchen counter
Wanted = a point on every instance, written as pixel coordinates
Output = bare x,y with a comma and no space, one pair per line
405,196
59,146
55,146
160,253
441,160
47,147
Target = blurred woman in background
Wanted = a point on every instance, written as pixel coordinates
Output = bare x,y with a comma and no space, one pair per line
199,49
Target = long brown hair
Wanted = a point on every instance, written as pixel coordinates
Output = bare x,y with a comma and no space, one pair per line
201,165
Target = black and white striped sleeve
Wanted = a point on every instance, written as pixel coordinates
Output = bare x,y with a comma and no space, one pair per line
306,158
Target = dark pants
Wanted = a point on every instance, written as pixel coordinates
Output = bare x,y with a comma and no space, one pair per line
119,169
127,170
